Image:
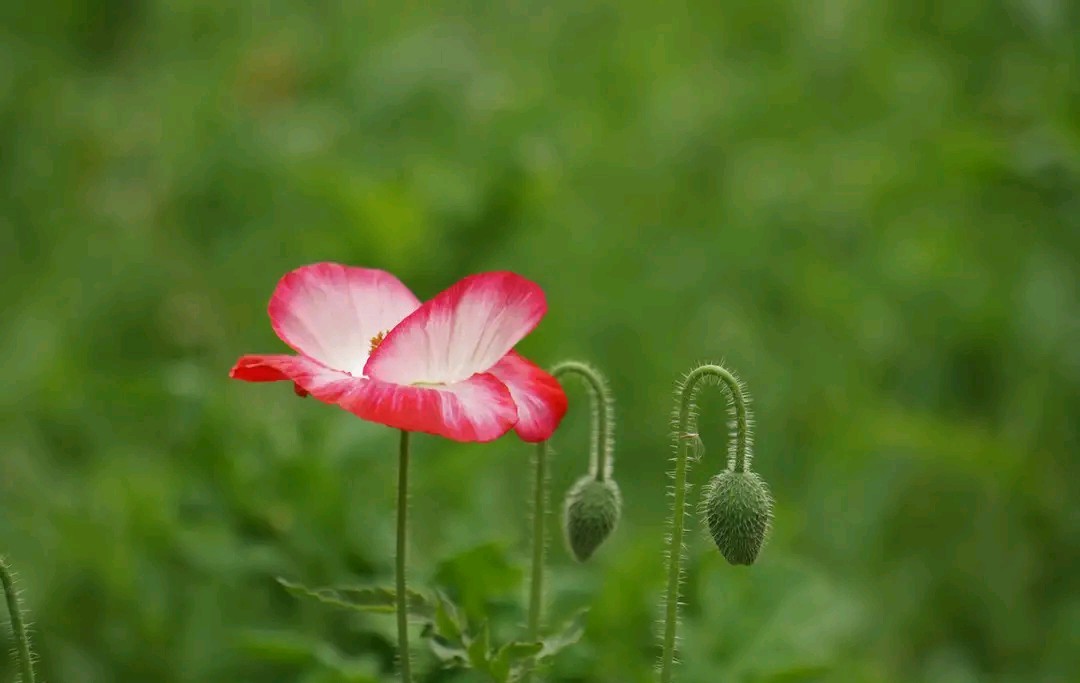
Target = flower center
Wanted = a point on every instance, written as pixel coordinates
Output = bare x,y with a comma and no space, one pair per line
375,341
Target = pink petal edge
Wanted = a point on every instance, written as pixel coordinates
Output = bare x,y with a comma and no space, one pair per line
466,329
329,312
540,399
478,409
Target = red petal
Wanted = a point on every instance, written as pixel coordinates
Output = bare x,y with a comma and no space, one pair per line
330,312
255,369
478,409
464,330
540,399
307,374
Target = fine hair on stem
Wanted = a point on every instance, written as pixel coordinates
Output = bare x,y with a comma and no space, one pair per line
19,628
684,438
601,465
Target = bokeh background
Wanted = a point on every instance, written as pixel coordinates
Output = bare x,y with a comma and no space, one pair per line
867,208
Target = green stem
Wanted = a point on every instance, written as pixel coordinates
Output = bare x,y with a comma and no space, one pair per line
18,628
540,498
685,434
402,538
599,466
603,409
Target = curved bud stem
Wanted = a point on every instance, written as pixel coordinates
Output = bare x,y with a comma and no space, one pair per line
600,467
685,424
603,414
18,628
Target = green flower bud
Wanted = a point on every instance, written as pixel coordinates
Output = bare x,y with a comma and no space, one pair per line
739,511
590,514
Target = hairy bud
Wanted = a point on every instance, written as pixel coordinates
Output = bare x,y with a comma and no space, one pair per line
590,514
738,507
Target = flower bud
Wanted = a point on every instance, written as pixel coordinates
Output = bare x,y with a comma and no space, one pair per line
738,508
590,514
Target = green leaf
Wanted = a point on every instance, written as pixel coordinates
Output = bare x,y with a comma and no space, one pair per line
514,658
569,634
363,598
479,649
450,641
448,654
446,633
448,620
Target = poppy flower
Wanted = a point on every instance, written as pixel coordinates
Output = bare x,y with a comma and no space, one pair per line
447,367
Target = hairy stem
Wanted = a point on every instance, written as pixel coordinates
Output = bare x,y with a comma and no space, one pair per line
685,435
402,541
603,414
600,465
540,501
18,628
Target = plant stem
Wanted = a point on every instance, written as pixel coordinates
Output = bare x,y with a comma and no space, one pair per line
18,628
402,538
603,414
540,499
685,434
599,466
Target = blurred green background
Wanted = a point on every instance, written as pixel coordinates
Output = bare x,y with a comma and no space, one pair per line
868,208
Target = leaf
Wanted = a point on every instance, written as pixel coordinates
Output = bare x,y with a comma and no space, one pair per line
479,650
446,633
568,635
513,657
448,620
448,654
450,642
363,598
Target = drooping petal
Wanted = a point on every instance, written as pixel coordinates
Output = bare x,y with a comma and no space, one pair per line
540,399
308,375
257,369
330,312
464,330
478,409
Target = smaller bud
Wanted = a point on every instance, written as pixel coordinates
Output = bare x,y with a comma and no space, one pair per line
738,507
590,514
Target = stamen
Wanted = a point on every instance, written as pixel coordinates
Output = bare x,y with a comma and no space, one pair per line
375,341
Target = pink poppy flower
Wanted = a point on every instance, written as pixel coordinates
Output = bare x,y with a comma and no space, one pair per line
446,367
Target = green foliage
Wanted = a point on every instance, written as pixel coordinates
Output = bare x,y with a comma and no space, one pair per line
868,208
378,599
456,646
445,627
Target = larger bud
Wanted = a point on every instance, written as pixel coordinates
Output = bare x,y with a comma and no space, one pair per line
738,507
590,515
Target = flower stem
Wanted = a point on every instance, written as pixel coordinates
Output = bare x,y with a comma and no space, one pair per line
540,500
601,444
686,434
402,538
603,414
18,628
